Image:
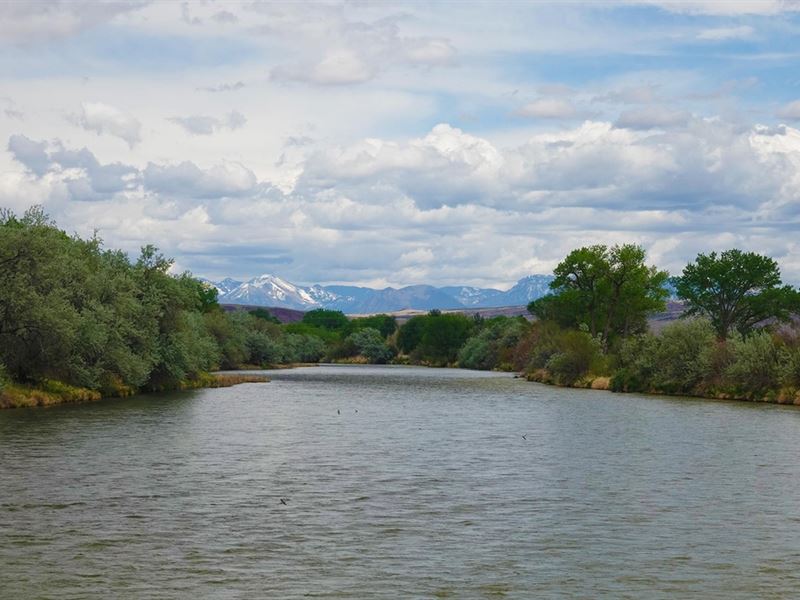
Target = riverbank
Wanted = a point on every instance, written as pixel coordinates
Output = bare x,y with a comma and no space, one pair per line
785,396
51,393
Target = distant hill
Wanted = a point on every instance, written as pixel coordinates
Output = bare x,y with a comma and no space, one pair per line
272,291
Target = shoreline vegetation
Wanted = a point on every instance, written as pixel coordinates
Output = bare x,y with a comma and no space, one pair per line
52,393
79,323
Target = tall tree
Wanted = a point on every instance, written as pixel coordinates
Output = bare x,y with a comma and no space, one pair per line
736,290
610,291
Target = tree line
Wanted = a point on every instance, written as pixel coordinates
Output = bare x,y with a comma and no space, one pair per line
76,316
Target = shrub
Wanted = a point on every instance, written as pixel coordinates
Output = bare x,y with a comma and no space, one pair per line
683,356
4,378
755,367
636,364
369,344
578,353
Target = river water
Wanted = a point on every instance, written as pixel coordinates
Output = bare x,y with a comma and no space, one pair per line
400,482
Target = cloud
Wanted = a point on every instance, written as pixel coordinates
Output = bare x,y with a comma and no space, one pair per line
548,108
78,172
721,34
45,20
448,206
187,17
724,7
223,87
790,111
224,17
342,66
30,153
188,180
203,125
84,177
337,51
104,119
652,117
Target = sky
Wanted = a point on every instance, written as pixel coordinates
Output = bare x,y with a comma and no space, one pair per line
380,143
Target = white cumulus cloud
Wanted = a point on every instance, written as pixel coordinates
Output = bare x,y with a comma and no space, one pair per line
104,119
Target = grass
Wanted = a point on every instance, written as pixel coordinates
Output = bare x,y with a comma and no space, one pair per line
50,392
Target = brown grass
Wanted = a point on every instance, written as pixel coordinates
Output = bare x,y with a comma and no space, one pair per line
50,392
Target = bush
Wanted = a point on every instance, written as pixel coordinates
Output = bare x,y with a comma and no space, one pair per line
755,367
578,354
494,345
636,364
477,353
789,340
683,356
4,378
369,344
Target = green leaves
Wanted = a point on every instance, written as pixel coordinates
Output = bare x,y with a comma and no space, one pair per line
736,290
608,290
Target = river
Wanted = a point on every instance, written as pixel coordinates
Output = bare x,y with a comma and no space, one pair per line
399,482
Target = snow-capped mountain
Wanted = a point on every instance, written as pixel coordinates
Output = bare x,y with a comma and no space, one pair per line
269,290
225,286
527,289
472,296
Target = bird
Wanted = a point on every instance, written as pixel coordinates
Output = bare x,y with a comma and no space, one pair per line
524,437
338,412
283,501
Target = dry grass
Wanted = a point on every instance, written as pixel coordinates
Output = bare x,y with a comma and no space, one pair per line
601,383
50,393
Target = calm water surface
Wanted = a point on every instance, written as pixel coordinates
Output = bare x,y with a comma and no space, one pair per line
400,483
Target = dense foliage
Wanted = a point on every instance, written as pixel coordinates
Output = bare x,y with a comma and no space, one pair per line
80,321
736,290
608,290
73,312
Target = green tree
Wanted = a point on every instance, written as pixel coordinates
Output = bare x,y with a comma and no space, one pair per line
410,334
443,336
333,320
265,315
736,290
371,345
386,324
610,291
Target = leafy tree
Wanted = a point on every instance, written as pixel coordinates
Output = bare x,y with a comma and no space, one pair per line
494,343
386,324
610,291
736,290
333,320
370,344
410,334
443,336
265,315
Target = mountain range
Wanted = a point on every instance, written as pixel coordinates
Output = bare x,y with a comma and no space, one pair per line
270,290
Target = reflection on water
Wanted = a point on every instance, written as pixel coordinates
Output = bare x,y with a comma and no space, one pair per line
399,482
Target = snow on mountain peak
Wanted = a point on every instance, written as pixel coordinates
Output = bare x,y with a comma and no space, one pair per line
271,290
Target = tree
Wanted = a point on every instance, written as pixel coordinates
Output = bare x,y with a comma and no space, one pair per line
386,324
443,336
333,320
610,291
370,344
265,315
736,290
410,334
